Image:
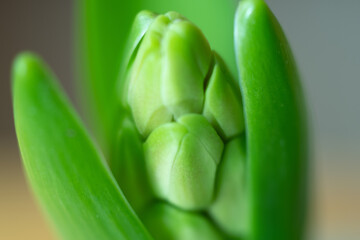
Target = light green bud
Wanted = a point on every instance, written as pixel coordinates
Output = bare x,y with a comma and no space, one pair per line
167,76
223,106
187,58
182,159
144,93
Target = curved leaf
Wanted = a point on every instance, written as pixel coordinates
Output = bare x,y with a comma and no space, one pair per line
67,172
276,141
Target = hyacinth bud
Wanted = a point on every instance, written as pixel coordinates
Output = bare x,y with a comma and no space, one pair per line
182,159
188,114
168,74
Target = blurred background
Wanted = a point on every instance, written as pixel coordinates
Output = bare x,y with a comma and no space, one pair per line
325,38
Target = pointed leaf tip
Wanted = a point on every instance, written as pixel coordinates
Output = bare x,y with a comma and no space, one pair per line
26,66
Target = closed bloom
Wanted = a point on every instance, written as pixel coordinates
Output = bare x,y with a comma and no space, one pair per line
187,110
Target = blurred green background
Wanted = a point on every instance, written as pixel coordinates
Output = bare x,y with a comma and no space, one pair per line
325,37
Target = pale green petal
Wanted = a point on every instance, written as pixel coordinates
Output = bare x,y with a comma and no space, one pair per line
144,96
186,61
223,106
205,133
192,176
160,149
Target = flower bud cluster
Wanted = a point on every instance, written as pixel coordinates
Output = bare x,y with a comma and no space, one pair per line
188,111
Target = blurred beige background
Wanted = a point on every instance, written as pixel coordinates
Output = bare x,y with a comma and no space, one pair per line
325,37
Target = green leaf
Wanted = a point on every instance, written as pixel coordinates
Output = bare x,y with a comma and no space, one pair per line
67,172
276,141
